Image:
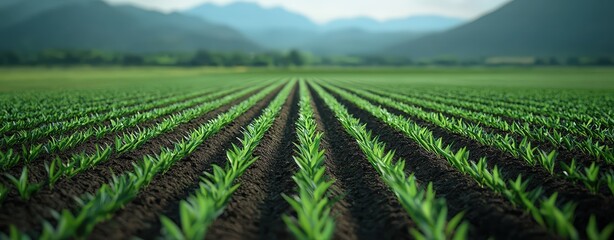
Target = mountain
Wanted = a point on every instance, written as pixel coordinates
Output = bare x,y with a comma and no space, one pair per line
251,17
560,28
355,41
93,24
426,23
280,29
14,11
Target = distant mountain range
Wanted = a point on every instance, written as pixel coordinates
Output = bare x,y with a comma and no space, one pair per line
92,24
520,28
278,28
247,16
525,28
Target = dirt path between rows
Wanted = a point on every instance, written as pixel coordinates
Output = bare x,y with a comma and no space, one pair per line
28,215
489,214
368,210
141,216
255,209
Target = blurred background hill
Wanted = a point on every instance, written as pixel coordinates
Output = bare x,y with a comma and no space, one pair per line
520,31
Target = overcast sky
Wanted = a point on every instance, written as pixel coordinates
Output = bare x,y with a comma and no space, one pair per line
326,10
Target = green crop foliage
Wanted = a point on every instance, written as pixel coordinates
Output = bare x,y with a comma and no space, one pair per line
72,121
8,159
55,170
3,192
544,210
593,232
429,213
313,203
200,209
23,185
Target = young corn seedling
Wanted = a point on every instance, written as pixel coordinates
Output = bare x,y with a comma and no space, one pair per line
571,171
55,171
31,153
81,162
590,178
8,159
24,187
3,192
593,233
548,160
559,220
14,234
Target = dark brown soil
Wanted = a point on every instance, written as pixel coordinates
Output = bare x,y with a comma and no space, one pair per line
489,214
512,167
533,125
565,155
368,210
27,215
255,209
102,123
141,216
101,112
37,170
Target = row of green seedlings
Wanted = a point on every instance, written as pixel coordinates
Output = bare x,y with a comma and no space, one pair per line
29,153
314,202
428,212
570,106
575,106
81,162
23,106
542,134
589,128
61,108
200,209
590,177
553,134
28,136
57,114
100,206
544,210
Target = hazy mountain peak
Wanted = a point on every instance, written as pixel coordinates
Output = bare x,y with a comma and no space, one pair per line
250,16
94,24
545,28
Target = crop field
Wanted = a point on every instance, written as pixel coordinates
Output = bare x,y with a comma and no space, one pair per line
306,154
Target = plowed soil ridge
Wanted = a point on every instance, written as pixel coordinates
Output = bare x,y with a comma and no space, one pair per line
489,214
588,204
28,215
36,168
141,216
565,155
255,209
372,210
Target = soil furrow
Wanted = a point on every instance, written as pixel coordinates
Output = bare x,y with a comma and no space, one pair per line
141,216
37,170
508,118
27,215
105,111
255,209
105,122
511,167
368,209
564,154
489,214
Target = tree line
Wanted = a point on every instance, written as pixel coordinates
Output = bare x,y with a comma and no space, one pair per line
56,57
